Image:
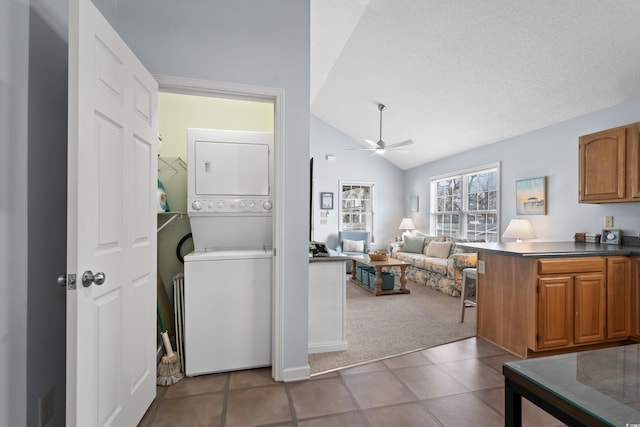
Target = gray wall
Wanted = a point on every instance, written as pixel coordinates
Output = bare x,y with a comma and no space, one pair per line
354,166
47,236
247,42
551,152
14,50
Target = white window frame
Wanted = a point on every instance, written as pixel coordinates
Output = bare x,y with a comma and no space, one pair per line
462,231
371,212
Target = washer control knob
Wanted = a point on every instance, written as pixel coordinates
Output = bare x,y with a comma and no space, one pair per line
243,205
196,205
267,205
252,204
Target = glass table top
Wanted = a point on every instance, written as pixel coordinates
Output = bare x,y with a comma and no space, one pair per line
604,383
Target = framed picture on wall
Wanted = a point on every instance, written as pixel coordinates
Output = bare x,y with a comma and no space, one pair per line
326,200
413,203
531,196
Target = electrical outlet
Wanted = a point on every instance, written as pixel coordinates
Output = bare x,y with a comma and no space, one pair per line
608,221
45,408
481,267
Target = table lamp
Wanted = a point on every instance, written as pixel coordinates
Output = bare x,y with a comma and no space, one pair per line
519,229
406,224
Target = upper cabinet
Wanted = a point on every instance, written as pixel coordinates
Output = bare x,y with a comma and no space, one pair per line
609,166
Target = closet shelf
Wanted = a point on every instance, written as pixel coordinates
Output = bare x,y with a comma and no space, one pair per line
172,216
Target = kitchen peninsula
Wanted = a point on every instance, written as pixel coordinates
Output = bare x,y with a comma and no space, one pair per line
327,303
540,298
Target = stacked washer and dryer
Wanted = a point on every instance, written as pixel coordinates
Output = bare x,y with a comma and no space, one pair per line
227,278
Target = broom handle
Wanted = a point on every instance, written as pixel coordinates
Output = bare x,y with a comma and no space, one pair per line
162,328
167,343
163,334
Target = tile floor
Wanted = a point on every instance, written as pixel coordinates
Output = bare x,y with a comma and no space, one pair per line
456,384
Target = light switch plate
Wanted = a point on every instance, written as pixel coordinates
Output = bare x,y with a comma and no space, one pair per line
481,267
608,221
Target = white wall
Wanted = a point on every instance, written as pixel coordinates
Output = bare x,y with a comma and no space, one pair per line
390,202
14,52
551,152
253,43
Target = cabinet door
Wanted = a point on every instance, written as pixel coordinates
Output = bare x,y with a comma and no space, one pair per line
633,161
618,297
555,312
635,297
602,165
589,305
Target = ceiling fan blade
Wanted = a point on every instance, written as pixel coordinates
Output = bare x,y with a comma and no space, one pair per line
400,144
373,144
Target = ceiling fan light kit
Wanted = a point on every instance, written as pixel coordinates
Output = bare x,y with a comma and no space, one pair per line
380,147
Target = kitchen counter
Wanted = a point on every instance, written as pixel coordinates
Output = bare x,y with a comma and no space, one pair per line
537,298
552,249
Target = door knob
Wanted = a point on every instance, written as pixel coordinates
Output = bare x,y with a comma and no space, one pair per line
88,278
65,279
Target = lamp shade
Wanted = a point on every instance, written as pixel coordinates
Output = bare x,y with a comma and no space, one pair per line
519,229
407,224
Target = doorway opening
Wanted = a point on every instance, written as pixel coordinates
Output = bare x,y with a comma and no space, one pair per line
184,103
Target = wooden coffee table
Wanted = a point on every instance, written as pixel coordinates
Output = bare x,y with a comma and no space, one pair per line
379,265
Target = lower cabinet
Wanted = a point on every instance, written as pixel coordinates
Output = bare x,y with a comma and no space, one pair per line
635,297
571,310
584,301
618,297
535,306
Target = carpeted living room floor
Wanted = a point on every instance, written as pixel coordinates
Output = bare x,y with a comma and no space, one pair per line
385,326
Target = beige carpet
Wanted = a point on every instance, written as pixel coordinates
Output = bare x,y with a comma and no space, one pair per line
385,326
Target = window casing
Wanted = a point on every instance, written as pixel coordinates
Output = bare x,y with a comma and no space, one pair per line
466,204
356,207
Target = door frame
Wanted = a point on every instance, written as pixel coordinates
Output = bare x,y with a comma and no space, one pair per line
214,89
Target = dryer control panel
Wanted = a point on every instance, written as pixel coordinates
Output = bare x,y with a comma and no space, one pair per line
228,205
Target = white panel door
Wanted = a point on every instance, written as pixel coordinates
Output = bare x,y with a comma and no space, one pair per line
111,327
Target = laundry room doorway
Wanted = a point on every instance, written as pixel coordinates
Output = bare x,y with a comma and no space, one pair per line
188,103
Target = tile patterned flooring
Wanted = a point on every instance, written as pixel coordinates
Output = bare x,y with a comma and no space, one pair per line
456,384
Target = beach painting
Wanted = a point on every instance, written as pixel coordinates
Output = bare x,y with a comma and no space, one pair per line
531,196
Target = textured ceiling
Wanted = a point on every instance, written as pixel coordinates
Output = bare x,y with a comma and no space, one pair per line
456,75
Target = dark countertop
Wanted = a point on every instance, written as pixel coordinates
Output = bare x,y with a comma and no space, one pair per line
333,256
551,249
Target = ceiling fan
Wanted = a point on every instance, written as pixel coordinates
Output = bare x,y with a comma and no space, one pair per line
380,147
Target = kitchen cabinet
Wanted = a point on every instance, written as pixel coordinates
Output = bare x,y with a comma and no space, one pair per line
609,165
618,297
571,303
533,305
635,297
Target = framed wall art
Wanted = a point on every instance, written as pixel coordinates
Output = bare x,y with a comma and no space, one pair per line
531,196
413,203
326,200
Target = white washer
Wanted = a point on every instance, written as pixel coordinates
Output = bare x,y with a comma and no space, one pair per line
227,310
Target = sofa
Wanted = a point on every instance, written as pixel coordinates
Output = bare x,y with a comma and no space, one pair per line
435,261
353,243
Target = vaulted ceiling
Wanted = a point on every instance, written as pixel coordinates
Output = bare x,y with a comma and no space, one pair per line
456,75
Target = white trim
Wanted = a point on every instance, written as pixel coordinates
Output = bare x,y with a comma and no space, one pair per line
188,86
296,374
464,171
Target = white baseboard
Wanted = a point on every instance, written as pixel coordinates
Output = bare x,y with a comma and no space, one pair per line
327,347
297,374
